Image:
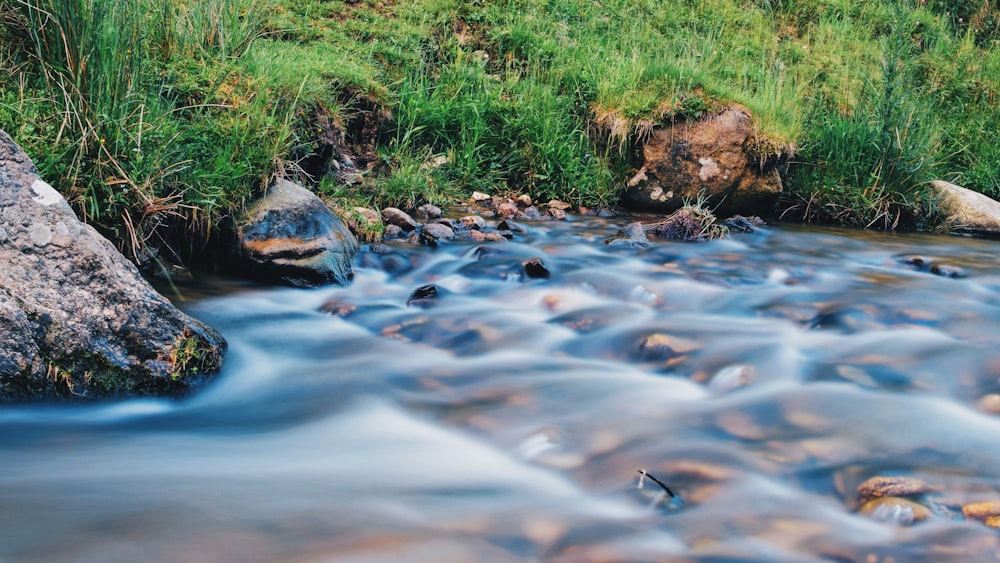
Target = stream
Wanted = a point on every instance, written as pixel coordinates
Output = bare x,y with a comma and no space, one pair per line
761,378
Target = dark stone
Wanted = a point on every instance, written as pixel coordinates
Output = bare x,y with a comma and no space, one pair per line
741,224
290,236
424,296
535,268
76,318
392,232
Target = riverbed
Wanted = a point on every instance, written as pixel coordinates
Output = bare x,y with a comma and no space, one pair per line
761,379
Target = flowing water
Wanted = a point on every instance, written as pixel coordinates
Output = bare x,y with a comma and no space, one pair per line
761,378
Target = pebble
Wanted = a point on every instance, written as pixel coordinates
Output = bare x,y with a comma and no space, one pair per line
989,404
524,199
878,487
473,222
987,512
392,232
424,297
535,268
480,197
557,214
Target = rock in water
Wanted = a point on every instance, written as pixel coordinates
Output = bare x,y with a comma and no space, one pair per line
76,317
967,211
290,236
713,158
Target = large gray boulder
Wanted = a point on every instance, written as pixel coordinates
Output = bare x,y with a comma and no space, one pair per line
290,236
966,211
712,160
76,317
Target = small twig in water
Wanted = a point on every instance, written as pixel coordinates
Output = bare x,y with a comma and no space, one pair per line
643,474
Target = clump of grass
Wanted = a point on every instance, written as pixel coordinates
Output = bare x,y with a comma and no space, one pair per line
692,222
869,167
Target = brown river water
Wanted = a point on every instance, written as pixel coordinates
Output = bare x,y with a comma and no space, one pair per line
761,378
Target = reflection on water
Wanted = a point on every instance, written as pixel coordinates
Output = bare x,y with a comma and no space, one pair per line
763,378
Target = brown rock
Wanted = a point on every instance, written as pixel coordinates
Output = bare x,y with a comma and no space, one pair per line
878,487
428,212
967,211
714,158
982,511
398,217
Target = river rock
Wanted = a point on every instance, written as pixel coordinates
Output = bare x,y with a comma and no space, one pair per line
894,486
77,318
428,212
714,158
290,236
434,232
967,211
400,218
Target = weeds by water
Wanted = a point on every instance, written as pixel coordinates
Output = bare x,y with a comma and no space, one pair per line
156,116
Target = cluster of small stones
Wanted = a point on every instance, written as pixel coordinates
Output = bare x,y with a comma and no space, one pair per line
490,219
907,501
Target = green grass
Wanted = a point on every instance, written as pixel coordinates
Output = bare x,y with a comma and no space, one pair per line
158,118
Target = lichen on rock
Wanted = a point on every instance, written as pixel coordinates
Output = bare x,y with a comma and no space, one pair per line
78,318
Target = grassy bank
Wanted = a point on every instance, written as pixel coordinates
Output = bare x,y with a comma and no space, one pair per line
158,118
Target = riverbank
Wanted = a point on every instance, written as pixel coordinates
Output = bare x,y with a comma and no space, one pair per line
162,121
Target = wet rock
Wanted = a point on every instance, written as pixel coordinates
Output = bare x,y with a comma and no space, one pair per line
713,158
741,224
989,404
76,318
877,487
524,200
557,214
529,214
424,296
967,211
393,232
986,512
432,233
338,308
507,209
512,227
925,263
497,237
632,235
477,236
557,204
290,236
944,270
535,268
731,378
428,212
480,197
399,218
896,510
474,222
